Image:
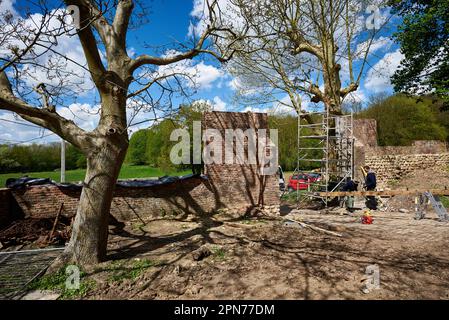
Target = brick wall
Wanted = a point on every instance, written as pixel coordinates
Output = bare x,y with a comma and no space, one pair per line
236,188
241,185
365,132
186,196
391,162
394,167
418,147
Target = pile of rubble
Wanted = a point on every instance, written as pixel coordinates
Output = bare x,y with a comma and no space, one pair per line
40,232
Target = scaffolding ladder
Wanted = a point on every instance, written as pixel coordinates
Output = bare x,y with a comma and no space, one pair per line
328,145
423,200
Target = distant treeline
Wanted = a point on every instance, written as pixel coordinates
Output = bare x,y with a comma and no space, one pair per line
400,121
38,157
403,119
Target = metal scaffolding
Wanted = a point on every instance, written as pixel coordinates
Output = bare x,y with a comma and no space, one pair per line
328,145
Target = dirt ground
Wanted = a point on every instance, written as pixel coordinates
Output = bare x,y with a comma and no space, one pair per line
263,259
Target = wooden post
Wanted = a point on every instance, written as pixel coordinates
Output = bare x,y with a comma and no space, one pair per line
55,223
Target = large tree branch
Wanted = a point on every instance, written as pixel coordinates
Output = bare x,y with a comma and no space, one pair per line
113,36
121,20
161,61
351,88
52,121
318,95
89,43
300,44
92,15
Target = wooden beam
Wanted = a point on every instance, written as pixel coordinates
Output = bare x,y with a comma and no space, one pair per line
386,193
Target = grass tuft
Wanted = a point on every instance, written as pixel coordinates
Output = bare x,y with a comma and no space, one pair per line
219,253
57,282
121,272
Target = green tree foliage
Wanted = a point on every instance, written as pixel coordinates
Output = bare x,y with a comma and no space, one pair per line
288,139
287,126
402,120
137,149
423,36
186,117
38,157
152,146
159,144
74,158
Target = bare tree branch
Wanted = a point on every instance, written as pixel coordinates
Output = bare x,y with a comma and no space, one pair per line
64,128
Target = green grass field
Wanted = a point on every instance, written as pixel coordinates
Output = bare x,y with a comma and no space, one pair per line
127,172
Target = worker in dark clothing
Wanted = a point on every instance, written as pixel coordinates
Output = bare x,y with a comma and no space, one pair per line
370,185
349,186
370,180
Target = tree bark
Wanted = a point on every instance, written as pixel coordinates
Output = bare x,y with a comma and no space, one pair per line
88,243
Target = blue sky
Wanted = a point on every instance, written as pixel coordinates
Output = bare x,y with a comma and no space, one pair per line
168,22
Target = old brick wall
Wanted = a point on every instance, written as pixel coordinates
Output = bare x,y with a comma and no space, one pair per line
418,147
235,188
394,167
365,132
186,196
391,163
241,186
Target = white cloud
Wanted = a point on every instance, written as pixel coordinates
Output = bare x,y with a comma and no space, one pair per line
229,14
84,115
7,6
11,133
218,104
357,96
235,84
206,75
256,110
380,44
66,62
198,74
378,78
283,106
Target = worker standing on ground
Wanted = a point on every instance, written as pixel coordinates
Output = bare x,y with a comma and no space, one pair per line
349,186
370,185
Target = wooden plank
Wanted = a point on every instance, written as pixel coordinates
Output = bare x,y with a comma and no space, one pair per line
386,193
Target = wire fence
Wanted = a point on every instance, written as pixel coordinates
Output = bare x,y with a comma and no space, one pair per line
19,268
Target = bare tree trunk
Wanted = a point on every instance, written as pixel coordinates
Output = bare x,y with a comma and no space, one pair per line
88,243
